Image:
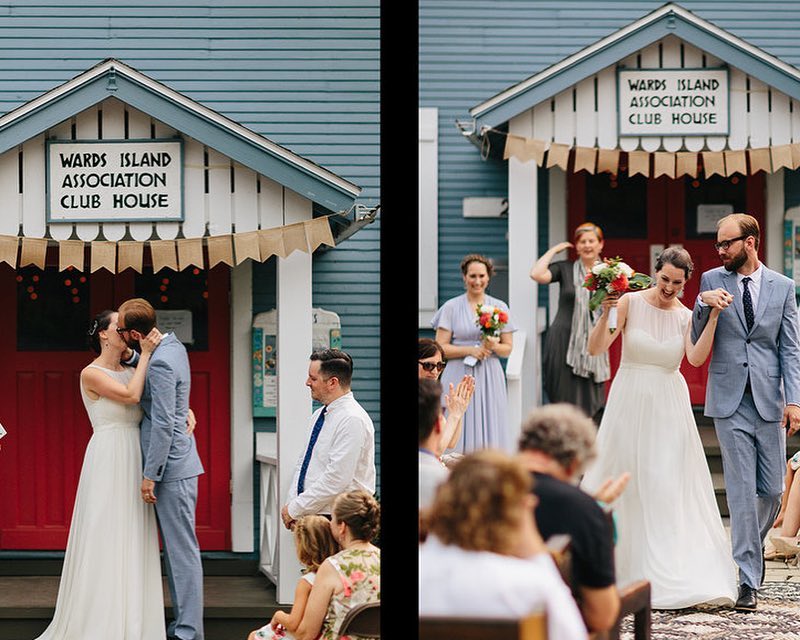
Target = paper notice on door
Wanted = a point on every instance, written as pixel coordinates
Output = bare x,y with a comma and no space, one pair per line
2,431
708,214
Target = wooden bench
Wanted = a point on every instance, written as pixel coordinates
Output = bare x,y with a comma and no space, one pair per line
363,620
532,627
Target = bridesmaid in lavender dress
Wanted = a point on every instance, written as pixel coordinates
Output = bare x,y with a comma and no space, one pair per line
485,421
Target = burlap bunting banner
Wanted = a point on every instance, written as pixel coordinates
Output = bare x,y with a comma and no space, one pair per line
70,254
9,246
246,246
781,156
608,161
585,158
130,255
220,249
104,256
34,251
759,160
318,231
190,252
178,254
713,163
270,242
558,156
674,165
294,238
686,164
735,162
663,164
638,162
163,254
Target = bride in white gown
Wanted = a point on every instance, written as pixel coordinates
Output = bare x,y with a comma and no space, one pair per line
111,581
669,528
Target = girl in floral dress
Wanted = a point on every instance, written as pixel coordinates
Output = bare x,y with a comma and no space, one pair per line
314,542
351,577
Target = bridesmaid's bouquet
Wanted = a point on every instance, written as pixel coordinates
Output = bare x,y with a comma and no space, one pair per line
613,276
490,320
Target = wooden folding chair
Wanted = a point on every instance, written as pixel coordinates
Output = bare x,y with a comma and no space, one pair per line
532,627
362,620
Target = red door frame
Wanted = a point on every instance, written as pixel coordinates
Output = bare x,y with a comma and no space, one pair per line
665,196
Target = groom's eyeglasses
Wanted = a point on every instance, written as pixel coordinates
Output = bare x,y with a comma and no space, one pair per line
121,330
430,366
726,244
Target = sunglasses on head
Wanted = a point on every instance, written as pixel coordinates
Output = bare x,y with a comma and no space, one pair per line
430,366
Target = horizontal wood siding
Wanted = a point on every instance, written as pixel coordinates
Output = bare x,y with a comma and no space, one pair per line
468,52
304,74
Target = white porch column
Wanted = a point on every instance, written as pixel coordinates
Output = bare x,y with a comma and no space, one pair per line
241,407
522,251
294,400
773,251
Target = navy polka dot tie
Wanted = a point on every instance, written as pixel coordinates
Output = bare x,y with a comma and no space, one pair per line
301,480
747,302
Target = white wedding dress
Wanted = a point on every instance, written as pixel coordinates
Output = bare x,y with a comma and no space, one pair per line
111,581
668,525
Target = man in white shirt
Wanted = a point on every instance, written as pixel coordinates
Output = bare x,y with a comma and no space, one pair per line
339,455
431,445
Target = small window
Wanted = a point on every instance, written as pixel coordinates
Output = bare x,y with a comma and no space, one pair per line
617,203
716,190
52,309
181,303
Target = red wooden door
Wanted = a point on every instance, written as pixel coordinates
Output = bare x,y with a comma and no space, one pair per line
639,216
40,405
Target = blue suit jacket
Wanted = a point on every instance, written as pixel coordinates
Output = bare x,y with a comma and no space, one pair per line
769,352
168,452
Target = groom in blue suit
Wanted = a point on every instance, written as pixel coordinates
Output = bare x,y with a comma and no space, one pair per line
753,389
171,465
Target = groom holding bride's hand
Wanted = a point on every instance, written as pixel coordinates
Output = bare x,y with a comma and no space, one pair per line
753,387
171,464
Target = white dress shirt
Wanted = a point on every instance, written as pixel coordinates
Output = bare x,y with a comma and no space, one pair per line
453,581
432,473
343,458
754,286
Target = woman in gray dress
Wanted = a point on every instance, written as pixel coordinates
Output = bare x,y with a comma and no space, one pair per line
485,420
569,373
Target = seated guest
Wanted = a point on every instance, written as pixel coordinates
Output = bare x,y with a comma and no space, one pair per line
431,445
556,443
484,556
351,577
431,361
785,544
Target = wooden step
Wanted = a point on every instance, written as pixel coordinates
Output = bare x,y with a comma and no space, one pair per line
233,605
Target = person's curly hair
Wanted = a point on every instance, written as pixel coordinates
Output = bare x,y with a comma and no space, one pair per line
481,504
314,540
360,512
476,257
562,431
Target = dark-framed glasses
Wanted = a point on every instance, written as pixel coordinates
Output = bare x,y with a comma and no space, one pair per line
430,366
726,244
121,330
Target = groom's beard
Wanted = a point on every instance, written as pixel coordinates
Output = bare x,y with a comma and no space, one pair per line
737,261
133,344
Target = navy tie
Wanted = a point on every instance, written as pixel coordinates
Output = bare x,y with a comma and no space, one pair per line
314,435
747,303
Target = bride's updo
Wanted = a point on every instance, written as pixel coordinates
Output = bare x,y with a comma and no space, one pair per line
678,258
99,323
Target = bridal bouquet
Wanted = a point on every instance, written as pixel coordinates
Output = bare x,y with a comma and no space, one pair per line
490,321
613,276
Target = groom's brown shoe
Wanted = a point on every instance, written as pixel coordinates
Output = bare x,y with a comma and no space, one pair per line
747,600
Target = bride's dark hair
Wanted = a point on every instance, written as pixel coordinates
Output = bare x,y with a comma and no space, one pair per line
678,258
99,323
